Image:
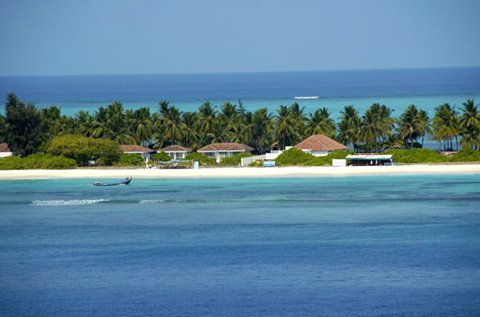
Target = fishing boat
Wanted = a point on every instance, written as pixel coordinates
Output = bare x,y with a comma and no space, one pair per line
126,181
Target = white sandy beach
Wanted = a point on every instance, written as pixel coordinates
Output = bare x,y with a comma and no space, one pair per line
95,173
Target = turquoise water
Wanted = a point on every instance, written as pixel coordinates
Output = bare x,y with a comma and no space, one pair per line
334,246
426,88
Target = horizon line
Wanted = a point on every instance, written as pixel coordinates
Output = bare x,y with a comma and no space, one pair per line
244,72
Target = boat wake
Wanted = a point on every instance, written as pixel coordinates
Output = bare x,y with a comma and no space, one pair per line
306,97
73,202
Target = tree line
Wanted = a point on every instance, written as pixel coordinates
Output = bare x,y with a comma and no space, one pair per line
25,128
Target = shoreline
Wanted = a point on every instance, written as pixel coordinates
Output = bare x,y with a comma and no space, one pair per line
242,172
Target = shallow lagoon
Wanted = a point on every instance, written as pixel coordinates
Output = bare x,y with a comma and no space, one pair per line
389,245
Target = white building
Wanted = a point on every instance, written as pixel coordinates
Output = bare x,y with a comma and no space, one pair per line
221,150
176,152
145,152
5,150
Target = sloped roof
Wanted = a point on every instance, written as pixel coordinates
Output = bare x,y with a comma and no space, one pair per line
320,142
4,147
135,148
223,147
175,148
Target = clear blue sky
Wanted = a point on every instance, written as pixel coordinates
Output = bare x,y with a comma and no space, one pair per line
189,36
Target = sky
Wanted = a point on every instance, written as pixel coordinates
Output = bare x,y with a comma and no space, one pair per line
67,37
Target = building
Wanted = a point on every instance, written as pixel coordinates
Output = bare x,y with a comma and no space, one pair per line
221,150
369,160
176,152
320,145
145,152
5,150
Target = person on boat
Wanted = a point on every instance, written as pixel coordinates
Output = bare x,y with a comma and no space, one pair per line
97,182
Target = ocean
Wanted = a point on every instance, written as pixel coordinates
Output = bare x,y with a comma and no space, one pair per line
405,245
426,88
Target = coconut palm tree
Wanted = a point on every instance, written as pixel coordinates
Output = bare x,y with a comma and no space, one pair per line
349,127
445,126
206,121
320,123
285,129
173,125
190,135
469,124
262,130
377,126
409,125
140,125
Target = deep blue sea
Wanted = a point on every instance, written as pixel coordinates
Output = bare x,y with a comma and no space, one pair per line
426,88
333,246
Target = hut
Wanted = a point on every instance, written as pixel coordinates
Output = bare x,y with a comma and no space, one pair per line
145,152
176,152
221,150
320,145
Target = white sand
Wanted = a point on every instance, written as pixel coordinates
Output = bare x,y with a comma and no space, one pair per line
95,173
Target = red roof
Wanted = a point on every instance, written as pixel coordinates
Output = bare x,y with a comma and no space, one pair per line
225,147
4,147
320,142
135,149
175,148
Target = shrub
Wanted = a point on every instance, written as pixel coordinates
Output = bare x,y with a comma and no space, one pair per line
293,157
234,160
37,161
202,159
11,163
466,155
162,156
83,149
417,156
130,160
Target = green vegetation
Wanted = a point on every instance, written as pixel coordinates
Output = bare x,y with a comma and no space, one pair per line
162,156
293,157
37,161
466,155
130,160
28,130
234,160
83,149
296,157
26,127
202,159
417,156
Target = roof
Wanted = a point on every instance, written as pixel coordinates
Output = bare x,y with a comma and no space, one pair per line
4,147
135,149
320,142
369,157
175,148
225,147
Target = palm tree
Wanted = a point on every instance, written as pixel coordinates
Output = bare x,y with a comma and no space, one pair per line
262,130
469,124
173,125
298,120
140,125
320,123
206,121
349,127
285,129
445,126
409,125
190,135
377,126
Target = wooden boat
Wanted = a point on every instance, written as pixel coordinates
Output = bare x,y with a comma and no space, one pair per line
126,181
